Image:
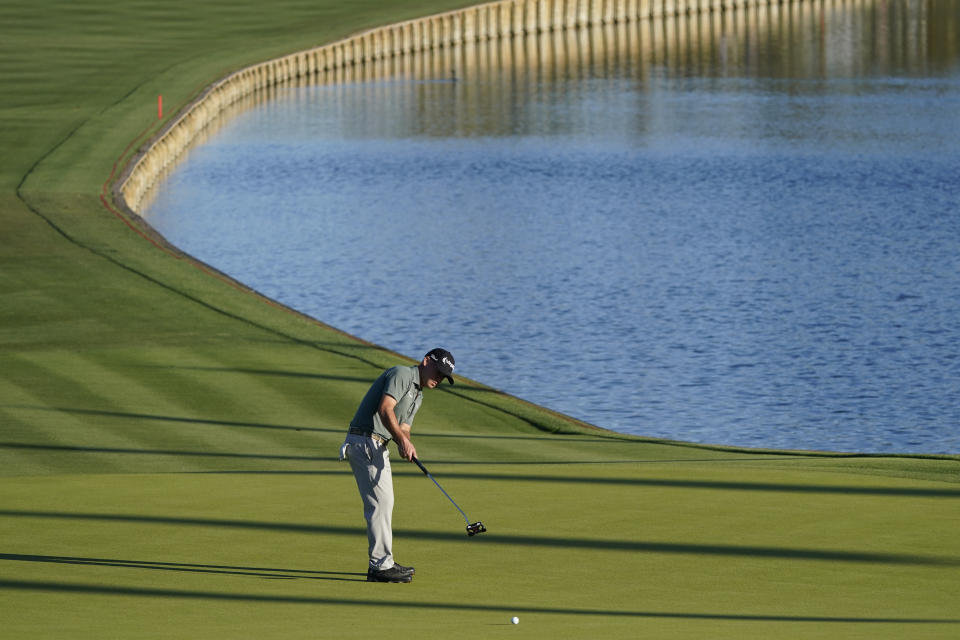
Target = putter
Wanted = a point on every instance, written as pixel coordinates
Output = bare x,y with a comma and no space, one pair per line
473,528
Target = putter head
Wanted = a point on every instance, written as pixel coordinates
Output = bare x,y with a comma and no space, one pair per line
475,528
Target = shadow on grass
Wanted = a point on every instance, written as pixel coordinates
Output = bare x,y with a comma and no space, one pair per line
895,492
159,452
615,439
63,448
715,485
104,590
259,572
594,544
271,372
176,419
310,376
459,391
780,487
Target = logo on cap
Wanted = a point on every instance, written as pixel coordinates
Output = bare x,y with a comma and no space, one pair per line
445,362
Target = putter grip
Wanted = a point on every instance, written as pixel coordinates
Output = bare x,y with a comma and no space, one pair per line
422,468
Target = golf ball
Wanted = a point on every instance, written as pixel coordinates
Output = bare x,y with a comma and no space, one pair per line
515,620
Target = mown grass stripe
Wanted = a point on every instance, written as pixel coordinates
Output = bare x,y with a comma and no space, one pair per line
757,553
108,590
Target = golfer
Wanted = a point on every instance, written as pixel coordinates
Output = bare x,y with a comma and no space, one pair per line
386,413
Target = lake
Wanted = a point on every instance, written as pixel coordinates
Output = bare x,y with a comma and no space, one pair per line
740,229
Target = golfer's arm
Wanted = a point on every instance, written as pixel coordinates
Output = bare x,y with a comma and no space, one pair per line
389,418
400,432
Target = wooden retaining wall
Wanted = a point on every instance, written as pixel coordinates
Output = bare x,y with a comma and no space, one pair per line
501,20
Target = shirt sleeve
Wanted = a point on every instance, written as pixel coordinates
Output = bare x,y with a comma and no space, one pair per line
395,385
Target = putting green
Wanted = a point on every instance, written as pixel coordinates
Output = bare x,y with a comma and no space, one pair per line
168,443
671,548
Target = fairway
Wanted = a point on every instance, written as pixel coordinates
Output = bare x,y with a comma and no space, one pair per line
169,438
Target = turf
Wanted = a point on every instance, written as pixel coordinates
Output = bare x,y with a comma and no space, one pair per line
168,443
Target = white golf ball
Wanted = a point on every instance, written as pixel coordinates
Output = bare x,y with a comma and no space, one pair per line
515,620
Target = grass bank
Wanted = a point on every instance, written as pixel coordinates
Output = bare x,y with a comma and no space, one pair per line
167,457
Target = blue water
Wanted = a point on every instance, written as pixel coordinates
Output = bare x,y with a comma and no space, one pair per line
716,254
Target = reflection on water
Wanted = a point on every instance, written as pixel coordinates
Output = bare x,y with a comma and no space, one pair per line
738,228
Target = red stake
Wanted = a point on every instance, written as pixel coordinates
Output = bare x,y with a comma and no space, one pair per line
159,107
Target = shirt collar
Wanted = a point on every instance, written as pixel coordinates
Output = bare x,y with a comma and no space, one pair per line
416,377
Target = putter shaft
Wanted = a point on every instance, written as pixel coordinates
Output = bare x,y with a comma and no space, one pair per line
472,528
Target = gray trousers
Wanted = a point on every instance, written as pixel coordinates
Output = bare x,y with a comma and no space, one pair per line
370,462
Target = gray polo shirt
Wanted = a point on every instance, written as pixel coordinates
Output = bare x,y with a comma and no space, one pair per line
403,383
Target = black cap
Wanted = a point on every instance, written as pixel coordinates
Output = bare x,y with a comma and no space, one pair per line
444,361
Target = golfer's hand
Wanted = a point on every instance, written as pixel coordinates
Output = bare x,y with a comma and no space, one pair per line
407,450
